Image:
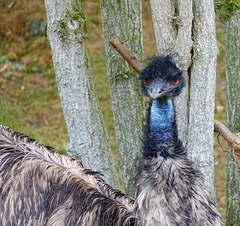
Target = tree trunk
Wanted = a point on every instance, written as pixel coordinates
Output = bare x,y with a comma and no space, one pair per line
232,46
88,140
202,90
231,22
123,19
178,27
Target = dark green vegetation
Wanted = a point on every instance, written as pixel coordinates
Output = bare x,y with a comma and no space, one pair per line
29,100
227,8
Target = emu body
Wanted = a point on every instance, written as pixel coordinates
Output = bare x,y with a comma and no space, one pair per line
169,190
41,187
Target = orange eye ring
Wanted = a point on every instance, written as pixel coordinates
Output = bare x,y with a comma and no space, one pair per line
145,81
175,81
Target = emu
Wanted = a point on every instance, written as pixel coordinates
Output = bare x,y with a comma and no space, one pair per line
41,187
38,186
169,189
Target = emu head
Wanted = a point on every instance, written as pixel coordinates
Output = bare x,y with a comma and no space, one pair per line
161,78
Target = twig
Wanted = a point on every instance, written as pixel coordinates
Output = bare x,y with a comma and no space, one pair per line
177,19
172,17
232,141
127,55
3,68
229,137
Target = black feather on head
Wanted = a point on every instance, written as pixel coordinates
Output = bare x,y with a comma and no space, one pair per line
161,78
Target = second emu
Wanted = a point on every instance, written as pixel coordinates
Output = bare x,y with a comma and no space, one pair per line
41,187
169,190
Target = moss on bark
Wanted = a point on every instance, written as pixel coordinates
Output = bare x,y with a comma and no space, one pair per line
226,8
73,20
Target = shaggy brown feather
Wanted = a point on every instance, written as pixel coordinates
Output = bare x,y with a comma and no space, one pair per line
41,187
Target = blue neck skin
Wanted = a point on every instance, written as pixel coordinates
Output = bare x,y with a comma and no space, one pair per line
162,116
162,129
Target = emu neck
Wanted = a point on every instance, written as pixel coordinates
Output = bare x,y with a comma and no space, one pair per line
161,127
162,118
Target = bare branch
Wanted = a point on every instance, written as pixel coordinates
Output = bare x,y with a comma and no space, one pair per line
232,141
127,55
229,137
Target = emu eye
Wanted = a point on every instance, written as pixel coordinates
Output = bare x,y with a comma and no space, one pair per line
175,81
145,81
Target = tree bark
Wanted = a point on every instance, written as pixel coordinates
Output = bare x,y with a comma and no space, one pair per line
178,28
88,140
232,46
202,90
230,17
123,18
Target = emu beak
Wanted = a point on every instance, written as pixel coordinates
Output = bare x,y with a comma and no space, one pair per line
156,90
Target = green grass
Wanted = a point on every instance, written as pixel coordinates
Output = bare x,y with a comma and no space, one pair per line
30,104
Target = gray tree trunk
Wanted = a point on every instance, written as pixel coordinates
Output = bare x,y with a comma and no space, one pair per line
231,24
123,19
202,90
88,140
232,46
189,31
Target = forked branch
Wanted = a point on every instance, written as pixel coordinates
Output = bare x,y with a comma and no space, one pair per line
229,137
232,141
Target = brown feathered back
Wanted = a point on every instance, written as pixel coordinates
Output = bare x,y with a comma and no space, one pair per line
41,187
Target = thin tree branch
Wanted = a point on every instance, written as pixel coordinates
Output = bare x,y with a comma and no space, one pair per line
229,137
127,55
232,141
